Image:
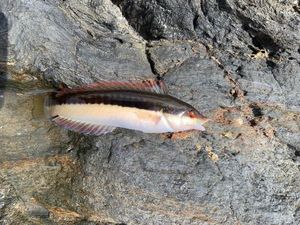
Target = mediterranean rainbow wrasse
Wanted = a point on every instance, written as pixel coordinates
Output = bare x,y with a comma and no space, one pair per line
139,105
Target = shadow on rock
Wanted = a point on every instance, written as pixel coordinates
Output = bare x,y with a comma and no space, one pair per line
3,55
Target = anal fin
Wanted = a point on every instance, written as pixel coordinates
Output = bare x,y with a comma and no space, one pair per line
81,127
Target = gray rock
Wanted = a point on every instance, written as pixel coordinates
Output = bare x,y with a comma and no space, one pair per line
236,33
70,39
236,61
165,56
38,211
3,55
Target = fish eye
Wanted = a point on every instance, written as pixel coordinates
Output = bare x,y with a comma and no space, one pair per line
192,114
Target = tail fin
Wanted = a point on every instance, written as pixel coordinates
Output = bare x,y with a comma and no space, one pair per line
49,101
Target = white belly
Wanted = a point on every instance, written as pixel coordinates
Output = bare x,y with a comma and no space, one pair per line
111,115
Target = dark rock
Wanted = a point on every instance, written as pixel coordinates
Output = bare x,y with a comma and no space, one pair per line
38,211
235,61
235,31
166,55
3,55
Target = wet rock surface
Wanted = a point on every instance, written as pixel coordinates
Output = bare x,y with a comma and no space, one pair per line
236,61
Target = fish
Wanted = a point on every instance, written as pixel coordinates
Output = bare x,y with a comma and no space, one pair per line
99,108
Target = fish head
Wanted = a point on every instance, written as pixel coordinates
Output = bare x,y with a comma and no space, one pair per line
189,119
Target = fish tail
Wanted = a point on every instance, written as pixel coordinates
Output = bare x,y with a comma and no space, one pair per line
48,102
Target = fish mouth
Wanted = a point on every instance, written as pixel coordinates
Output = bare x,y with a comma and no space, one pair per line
200,127
202,119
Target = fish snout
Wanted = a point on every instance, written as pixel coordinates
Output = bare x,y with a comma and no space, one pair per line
199,123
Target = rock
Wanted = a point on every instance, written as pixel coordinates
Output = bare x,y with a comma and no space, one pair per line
89,41
256,42
237,62
38,211
3,55
165,55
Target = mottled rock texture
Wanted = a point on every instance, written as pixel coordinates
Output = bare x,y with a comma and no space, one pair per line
238,62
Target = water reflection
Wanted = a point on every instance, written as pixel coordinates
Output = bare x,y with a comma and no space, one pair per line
3,55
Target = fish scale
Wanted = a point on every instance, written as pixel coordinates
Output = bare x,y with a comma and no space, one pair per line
141,105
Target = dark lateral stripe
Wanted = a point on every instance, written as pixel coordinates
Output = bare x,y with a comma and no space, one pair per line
140,100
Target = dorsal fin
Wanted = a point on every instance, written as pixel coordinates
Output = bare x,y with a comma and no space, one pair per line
151,85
